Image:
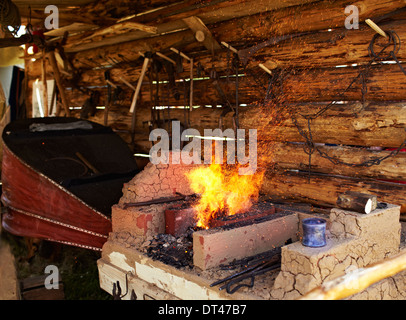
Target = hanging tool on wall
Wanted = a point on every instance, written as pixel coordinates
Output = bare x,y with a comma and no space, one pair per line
235,65
224,100
89,107
169,65
191,76
109,96
58,79
147,58
156,68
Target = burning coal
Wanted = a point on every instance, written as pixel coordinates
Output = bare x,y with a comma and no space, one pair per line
223,191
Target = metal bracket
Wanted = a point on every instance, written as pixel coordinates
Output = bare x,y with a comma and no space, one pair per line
117,289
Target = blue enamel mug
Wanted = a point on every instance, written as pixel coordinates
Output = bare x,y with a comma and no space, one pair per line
314,232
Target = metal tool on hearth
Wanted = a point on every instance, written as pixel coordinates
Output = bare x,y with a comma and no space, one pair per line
234,281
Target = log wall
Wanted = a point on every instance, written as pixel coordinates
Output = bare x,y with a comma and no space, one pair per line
308,72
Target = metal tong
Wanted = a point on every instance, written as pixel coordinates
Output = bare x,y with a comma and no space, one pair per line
251,272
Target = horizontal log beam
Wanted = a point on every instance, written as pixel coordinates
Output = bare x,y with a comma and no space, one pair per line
324,49
324,189
240,32
200,118
384,82
288,156
221,11
378,124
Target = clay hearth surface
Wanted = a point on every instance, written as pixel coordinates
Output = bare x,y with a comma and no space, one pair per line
262,283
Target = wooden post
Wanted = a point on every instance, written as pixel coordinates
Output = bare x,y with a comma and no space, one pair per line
356,201
58,79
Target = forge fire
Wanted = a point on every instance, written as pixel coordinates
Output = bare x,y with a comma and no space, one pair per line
223,191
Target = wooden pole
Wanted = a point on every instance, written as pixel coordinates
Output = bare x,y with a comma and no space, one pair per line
191,85
58,79
165,57
135,97
44,84
229,47
358,280
138,88
377,29
87,163
265,69
128,84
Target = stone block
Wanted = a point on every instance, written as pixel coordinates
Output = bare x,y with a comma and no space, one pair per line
217,246
355,240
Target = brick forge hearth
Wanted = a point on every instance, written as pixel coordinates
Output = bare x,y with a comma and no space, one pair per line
354,241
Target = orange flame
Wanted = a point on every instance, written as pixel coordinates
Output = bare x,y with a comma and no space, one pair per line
222,191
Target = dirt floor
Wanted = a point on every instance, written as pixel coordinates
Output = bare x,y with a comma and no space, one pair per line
77,267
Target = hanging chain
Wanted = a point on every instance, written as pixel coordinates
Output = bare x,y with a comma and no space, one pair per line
310,147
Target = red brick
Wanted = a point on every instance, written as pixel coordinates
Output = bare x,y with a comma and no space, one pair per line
178,220
139,221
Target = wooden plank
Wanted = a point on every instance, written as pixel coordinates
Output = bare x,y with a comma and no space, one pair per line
110,273
33,288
